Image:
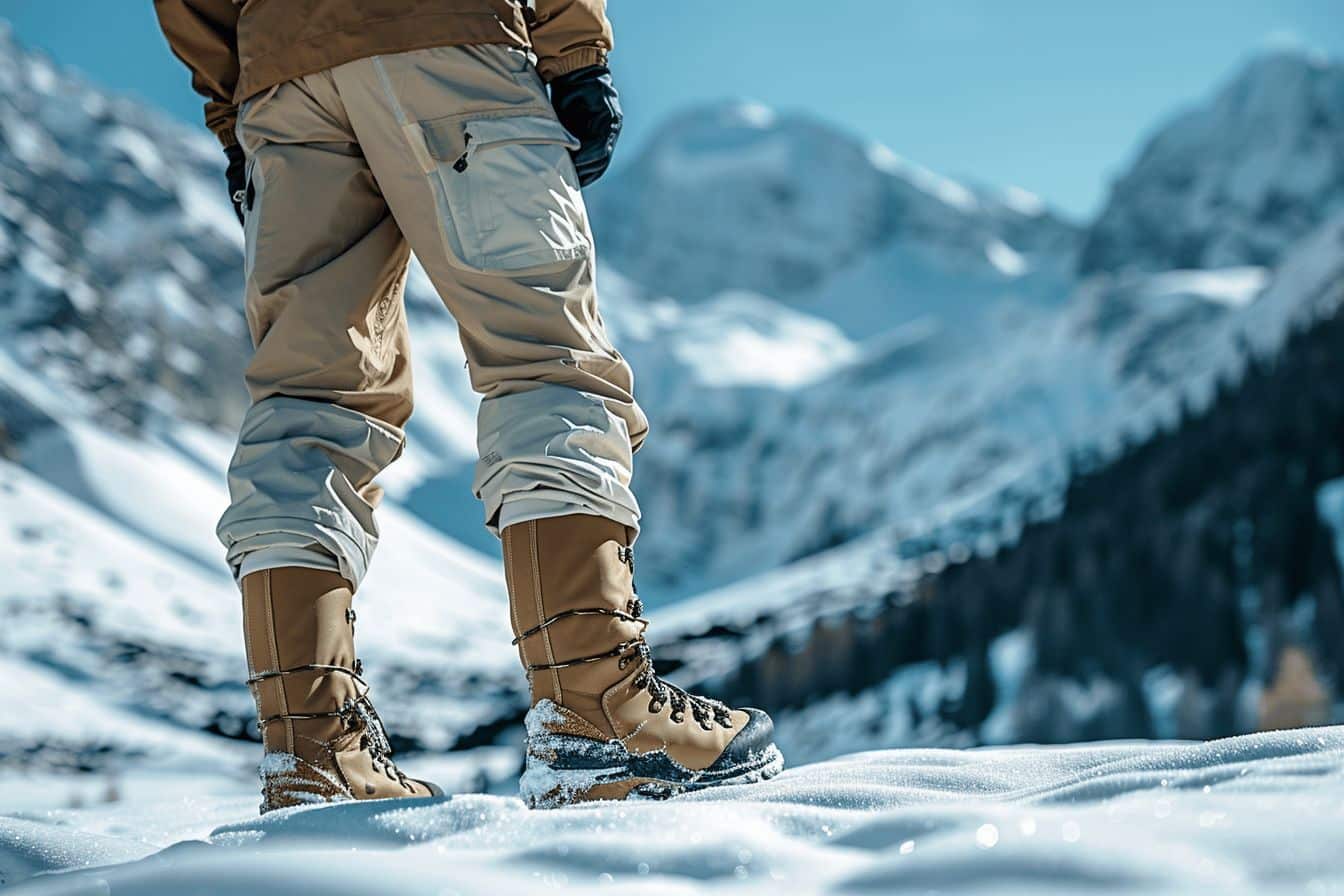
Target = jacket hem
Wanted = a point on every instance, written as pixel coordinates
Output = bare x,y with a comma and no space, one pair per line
381,37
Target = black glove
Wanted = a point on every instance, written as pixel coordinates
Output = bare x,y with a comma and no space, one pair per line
237,178
587,104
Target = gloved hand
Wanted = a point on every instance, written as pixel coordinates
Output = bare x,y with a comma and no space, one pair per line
587,104
236,175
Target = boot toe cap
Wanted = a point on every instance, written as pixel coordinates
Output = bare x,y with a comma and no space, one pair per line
746,747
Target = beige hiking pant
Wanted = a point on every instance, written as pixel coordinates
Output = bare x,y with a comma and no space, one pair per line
454,153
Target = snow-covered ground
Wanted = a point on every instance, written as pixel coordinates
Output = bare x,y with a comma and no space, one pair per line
1254,814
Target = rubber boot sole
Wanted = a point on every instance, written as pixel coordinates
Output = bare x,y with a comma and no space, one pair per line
562,769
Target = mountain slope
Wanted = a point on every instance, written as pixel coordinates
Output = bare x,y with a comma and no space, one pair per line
121,604
1184,583
118,255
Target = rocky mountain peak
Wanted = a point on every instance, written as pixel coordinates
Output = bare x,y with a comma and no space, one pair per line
1235,180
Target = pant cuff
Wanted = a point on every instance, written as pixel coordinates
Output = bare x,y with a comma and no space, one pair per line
267,544
553,451
526,506
283,556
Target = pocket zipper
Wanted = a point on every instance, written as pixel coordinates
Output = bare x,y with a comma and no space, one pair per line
461,164
464,160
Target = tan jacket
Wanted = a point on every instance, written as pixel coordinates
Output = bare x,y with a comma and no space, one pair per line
238,48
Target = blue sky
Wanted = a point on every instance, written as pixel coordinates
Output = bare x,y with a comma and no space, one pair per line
1049,95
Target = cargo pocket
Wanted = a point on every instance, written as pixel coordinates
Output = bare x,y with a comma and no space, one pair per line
510,191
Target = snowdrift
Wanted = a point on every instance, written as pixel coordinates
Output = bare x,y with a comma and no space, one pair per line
1259,813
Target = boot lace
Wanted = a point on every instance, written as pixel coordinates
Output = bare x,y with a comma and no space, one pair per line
705,711
356,714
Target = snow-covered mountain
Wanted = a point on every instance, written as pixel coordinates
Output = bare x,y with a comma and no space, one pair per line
953,347
1234,181
836,346
736,197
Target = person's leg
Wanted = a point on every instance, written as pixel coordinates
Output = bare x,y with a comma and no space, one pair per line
330,382
476,168
331,379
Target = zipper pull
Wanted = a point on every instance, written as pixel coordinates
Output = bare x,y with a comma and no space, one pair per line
461,164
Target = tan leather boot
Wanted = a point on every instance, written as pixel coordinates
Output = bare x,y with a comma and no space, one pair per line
323,739
602,724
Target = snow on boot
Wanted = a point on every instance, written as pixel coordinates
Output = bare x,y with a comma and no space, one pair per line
323,740
602,724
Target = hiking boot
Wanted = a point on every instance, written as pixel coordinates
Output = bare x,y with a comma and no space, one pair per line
603,725
323,740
